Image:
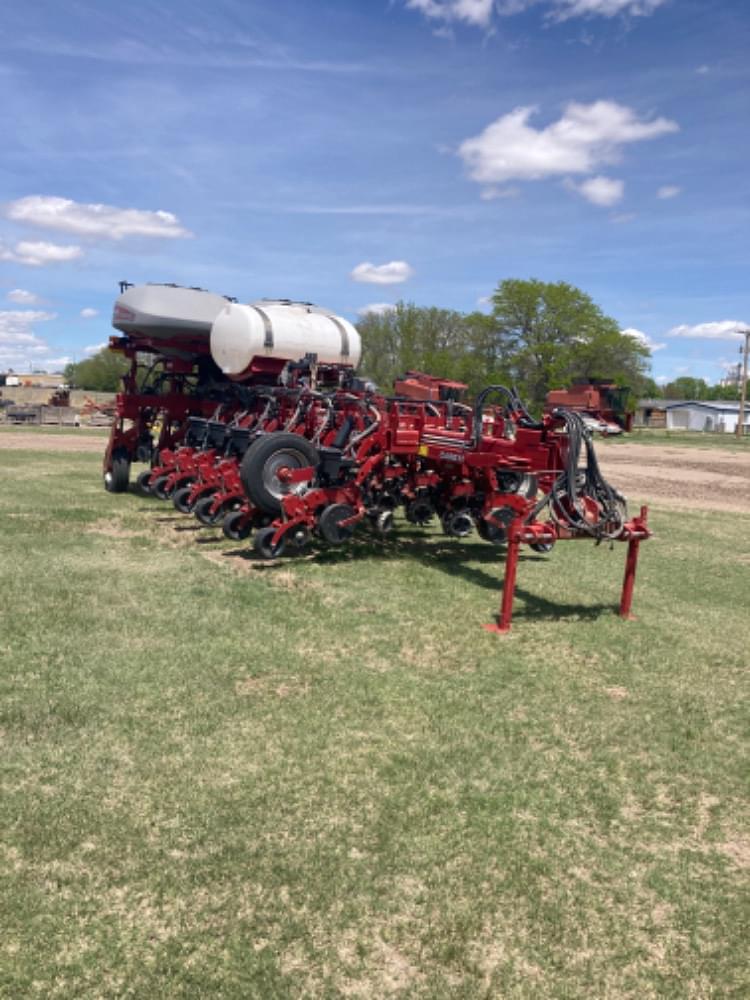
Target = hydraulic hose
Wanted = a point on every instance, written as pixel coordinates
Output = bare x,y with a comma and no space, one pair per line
572,484
479,404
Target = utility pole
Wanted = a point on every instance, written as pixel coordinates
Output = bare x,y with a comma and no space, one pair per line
740,429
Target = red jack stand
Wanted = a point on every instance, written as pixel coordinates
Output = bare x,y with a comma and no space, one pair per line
509,585
634,532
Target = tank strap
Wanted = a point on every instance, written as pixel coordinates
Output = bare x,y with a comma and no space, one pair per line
344,336
268,328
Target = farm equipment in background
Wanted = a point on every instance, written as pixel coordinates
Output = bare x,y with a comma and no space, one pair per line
602,404
264,428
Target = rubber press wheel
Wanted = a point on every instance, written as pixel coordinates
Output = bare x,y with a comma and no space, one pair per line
236,526
180,499
543,547
491,532
264,460
117,478
143,482
330,526
202,511
159,488
263,546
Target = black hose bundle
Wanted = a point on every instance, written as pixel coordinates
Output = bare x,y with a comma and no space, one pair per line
573,483
479,404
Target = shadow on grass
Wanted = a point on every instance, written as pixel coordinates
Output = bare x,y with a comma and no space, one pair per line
479,565
447,556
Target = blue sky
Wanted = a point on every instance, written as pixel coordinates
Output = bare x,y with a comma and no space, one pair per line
356,153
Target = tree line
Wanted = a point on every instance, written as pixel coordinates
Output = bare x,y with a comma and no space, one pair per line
537,336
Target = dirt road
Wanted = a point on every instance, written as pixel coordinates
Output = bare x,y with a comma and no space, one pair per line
52,441
684,477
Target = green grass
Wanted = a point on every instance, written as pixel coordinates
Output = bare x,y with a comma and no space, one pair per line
322,778
690,439
6,428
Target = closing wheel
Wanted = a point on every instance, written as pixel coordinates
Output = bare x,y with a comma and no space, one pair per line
143,482
263,543
543,547
330,526
263,462
419,511
159,488
181,498
490,532
202,511
117,478
458,523
236,526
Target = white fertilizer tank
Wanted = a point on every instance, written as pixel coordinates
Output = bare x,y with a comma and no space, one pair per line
283,330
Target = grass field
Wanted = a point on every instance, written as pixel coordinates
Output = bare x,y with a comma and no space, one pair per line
102,432
322,778
688,439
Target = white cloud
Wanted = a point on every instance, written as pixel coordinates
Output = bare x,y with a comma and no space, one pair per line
20,319
661,379
566,9
94,221
479,13
493,193
18,342
603,191
668,191
585,137
475,12
376,309
94,348
89,313
38,254
23,298
642,338
727,329
702,70
392,273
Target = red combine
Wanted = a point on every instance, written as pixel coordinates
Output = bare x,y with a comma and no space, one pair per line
294,449
602,404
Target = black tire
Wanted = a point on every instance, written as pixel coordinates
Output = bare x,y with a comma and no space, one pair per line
117,478
202,511
236,526
329,524
180,499
262,543
158,488
262,461
457,523
419,511
543,547
490,532
143,482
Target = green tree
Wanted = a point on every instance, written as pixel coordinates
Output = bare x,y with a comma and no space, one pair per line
687,387
412,337
100,373
650,389
547,334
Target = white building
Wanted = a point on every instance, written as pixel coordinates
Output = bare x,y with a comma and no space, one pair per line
708,415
